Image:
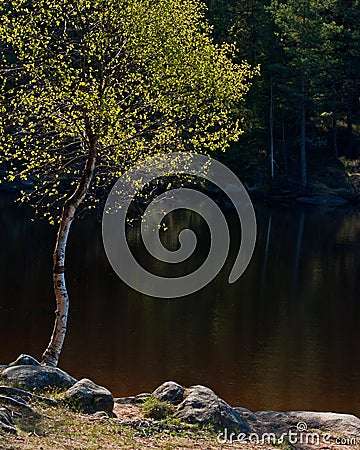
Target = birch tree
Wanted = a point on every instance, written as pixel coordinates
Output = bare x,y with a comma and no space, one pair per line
88,87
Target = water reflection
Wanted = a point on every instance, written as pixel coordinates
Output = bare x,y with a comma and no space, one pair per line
285,336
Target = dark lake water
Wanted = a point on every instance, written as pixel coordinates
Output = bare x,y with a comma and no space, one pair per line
285,336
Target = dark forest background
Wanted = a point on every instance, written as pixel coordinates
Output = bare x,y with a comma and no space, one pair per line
302,115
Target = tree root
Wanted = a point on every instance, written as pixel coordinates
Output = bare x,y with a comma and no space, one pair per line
15,392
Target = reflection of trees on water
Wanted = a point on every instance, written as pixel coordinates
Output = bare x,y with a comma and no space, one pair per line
265,258
263,342
298,327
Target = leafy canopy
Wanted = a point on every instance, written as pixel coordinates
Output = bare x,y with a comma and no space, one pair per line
128,78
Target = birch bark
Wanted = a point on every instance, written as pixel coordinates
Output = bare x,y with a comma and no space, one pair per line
52,353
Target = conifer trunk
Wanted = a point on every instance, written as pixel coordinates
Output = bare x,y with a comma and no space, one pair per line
271,129
284,141
335,145
303,138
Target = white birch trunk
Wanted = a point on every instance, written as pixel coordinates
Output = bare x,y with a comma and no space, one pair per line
51,355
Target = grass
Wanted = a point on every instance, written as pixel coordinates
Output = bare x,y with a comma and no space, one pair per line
156,409
55,428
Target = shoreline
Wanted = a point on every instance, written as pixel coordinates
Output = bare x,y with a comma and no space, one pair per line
191,413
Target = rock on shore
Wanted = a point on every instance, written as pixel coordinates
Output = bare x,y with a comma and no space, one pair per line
37,377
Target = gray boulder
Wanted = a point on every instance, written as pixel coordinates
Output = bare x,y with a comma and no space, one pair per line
37,377
25,360
89,398
338,424
125,401
134,400
202,406
101,415
3,367
140,398
255,423
6,422
169,392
